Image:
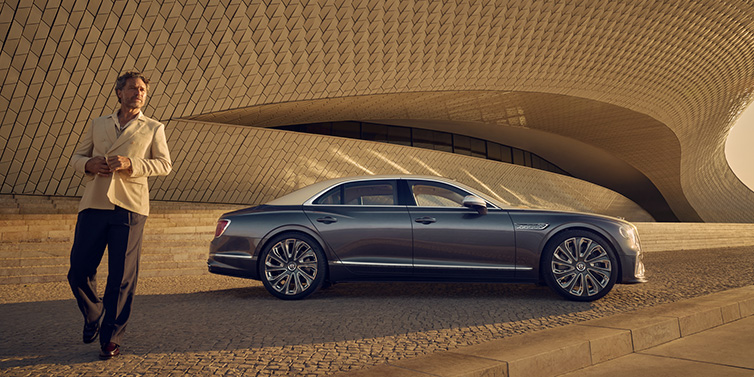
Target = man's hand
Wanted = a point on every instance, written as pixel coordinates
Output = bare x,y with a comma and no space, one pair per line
117,163
98,165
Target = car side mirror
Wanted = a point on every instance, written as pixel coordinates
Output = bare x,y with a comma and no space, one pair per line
475,203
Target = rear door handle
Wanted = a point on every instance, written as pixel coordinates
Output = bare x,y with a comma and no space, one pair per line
327,220
426,220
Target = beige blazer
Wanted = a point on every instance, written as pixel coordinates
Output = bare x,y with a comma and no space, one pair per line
143,141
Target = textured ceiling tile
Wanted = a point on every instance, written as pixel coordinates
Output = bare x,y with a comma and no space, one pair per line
683,64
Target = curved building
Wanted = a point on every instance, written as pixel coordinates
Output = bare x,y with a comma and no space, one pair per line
622,107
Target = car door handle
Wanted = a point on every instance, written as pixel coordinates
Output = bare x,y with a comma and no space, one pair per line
327,220
426,220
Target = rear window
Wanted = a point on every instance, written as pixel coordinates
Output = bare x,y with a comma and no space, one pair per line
380,193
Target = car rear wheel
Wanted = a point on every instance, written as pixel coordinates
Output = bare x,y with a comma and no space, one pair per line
580,266
293,266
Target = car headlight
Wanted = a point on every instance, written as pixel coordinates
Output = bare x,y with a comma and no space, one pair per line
629,232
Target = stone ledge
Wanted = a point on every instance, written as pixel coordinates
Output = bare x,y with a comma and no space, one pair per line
561,350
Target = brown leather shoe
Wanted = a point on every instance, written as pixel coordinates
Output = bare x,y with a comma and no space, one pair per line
109,351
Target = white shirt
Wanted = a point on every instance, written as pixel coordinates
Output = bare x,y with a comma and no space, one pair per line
118,128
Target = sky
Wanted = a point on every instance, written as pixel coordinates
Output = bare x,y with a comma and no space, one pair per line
739,148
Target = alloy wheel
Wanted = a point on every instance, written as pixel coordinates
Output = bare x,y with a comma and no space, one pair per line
290,267
581,267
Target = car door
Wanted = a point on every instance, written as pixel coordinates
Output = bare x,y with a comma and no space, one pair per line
365,227
452,241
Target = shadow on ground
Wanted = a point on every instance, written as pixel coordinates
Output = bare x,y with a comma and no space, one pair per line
244,318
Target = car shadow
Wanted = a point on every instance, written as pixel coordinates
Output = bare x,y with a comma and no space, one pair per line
48,332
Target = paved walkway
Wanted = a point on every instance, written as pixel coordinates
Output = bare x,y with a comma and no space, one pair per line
727,350
707,336
213,325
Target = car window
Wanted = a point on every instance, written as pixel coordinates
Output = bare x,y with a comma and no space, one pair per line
431,194
361,193
382,193
333,196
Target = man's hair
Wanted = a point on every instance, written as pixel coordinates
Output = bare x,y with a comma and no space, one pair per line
123,79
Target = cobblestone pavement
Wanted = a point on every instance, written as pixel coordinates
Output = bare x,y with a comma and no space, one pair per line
211,325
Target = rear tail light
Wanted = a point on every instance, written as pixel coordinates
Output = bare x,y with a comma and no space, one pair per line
222,224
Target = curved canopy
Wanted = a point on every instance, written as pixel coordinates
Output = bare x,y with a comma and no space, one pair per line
643,90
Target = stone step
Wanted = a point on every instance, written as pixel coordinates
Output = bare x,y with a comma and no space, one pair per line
151,234
62,269
45,219
36,234
102,275
150,245
65,251
53,260
185,256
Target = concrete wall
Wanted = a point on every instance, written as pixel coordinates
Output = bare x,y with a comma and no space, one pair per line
694,236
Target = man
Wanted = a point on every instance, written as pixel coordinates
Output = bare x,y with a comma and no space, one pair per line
117,154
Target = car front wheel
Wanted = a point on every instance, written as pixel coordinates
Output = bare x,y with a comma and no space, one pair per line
293,266
580,266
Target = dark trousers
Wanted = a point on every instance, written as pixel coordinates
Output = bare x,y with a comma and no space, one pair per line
121,231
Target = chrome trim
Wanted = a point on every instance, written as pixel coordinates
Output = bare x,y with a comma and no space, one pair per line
372,264
364,179
452,185
375,264
310,201
233,255
506,268
533,226
360,205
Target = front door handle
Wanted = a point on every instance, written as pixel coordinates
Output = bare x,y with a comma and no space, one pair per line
327,220
426,220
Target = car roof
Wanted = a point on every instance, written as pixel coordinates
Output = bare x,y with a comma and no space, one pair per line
306,193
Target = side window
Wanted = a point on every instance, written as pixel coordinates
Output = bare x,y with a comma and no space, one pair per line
379,193
431,194
370,193
334,196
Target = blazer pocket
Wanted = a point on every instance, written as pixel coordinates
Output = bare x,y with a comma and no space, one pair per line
138,181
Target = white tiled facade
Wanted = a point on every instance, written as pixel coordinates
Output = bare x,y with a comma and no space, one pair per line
653,85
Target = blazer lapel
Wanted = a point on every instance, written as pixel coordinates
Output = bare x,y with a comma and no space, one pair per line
112,134
126,135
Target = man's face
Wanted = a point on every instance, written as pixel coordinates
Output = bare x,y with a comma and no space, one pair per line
133,95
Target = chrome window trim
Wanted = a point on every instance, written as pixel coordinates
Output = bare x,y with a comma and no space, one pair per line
451,185
316,196
310,201
358,205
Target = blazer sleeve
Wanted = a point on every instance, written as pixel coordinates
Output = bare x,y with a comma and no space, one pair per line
84,150
159,162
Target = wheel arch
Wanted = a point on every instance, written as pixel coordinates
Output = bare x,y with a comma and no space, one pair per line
551,238
293,229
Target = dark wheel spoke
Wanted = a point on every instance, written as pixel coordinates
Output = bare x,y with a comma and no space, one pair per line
292,267
580,267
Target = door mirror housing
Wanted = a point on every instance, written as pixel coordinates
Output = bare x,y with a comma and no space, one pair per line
475,203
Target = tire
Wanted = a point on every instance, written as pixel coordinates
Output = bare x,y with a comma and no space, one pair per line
292,266
579,265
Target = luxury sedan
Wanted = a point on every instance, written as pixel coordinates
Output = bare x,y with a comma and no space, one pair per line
415,228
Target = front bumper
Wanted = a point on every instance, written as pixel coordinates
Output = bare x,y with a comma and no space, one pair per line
633,269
